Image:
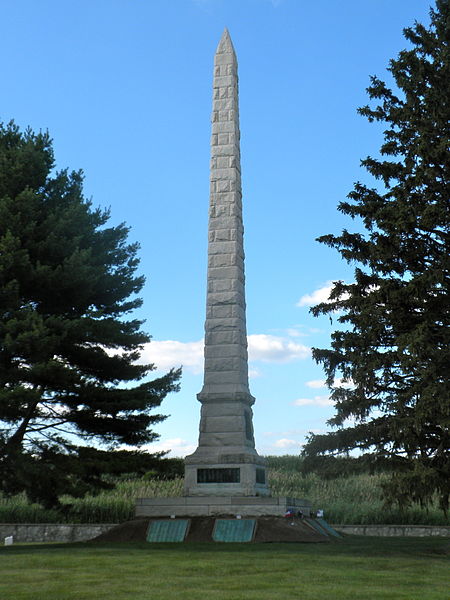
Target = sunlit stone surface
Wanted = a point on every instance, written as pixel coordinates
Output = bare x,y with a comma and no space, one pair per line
225,462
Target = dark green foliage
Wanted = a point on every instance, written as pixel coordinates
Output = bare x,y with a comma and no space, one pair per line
68,352
166,469
286,462
393,347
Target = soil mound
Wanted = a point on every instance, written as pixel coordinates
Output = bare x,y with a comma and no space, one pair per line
280,529
268,529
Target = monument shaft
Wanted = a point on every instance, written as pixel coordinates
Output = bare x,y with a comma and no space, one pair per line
225,461
226,368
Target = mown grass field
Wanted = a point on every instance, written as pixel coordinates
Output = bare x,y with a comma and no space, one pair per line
355,568
354,499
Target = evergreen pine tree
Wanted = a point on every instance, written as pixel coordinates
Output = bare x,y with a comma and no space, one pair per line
393,346
71,390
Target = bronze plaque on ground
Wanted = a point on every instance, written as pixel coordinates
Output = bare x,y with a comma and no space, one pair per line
167,530
234,530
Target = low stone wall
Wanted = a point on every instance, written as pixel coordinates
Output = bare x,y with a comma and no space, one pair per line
51,532
395,530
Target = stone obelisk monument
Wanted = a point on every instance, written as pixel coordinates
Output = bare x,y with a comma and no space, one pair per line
225,475
225,462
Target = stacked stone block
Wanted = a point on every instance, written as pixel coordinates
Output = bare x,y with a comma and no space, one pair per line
226,363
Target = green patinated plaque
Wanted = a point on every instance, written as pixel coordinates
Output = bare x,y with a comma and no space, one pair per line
234,530
328,527
167,530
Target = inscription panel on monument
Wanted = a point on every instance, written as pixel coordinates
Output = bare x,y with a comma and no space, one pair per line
248,426
218,475
260,476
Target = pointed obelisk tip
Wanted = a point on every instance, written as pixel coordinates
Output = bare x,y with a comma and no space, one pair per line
225,44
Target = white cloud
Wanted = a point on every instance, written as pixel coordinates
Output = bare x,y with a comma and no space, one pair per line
272,348
316,383
338,382
286,443
253,373
323,294
166,354
320,295
175,446
292,332
316,401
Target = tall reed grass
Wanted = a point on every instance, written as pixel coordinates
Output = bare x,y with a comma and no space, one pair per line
354,499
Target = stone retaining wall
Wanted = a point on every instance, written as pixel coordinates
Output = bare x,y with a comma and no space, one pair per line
52,532
395,530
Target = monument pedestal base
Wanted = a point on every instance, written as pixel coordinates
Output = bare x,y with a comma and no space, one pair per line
197,506
229,479
225,471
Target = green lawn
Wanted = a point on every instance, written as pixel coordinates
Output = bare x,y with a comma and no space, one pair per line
354,569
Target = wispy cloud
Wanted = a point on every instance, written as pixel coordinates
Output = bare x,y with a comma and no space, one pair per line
175,447
254,373
321,383
293,332
316,383
167,354
273,348
286,443
316,401
320,295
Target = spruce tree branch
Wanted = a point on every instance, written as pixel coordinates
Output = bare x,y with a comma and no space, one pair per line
48,426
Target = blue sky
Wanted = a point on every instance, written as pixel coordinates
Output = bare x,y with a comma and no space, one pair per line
124,88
